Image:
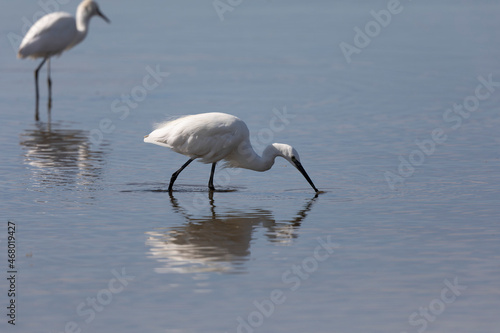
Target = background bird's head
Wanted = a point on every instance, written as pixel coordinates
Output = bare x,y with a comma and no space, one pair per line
90,8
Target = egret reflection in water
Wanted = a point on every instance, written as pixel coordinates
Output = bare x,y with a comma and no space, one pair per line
61,156
219,242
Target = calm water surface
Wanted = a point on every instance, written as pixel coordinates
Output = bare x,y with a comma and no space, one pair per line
405,238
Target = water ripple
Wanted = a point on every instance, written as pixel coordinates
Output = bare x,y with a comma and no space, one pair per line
61,156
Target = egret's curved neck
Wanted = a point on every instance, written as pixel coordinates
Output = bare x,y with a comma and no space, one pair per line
247,158
82,22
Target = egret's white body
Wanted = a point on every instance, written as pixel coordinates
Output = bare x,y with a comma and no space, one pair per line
55,33
212,137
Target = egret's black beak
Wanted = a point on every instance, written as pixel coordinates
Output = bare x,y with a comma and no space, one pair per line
103,16
299,167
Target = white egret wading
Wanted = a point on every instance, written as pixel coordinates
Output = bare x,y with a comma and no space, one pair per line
54,33
213,137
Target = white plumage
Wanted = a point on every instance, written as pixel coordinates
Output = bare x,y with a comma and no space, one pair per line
207,136
212,137
49,36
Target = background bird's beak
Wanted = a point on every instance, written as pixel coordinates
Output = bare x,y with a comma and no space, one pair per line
103,16
299,167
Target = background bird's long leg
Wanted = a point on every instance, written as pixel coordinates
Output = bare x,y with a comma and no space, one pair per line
175,174
49,83
211,180
36,88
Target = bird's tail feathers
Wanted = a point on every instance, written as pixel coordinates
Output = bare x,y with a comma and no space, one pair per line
169,119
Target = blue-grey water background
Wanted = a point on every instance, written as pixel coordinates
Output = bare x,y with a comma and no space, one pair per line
88,196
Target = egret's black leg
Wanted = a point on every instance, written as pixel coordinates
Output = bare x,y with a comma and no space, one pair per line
211,180
175,174
36,88
49,83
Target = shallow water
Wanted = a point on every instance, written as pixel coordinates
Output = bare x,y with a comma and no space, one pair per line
102,246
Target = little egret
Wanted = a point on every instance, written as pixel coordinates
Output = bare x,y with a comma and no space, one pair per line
212,137
55,33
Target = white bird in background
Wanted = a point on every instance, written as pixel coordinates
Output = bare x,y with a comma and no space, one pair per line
215,136
54,33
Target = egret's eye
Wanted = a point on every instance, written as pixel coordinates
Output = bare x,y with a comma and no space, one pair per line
294,158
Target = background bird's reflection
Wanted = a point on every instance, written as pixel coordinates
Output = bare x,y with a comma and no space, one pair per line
60,156
219,242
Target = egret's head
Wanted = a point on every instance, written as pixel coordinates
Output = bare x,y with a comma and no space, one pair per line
287,152
291,155
90,8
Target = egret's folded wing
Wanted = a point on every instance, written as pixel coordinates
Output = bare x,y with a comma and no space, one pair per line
50,35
